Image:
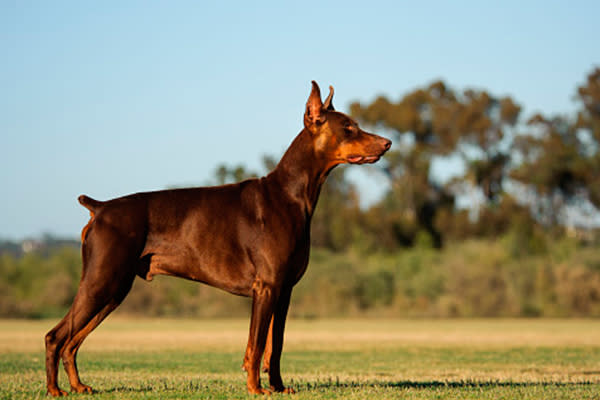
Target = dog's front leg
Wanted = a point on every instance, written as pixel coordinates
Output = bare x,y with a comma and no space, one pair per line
268,347
277,329
263,301
267,353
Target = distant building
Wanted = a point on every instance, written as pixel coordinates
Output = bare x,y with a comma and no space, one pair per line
30,245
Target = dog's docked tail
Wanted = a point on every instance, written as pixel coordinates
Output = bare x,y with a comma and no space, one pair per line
89,203
93,206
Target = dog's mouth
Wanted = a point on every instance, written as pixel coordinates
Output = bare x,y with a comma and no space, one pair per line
355,159
374,156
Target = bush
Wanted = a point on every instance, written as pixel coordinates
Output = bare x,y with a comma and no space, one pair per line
524,273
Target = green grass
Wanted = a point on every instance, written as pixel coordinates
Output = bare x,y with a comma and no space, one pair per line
345,359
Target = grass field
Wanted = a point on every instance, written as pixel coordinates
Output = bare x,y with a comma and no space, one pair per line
345,359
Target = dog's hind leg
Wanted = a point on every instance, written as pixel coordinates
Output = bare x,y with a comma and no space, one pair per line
55,340
87,312
106,280
70,350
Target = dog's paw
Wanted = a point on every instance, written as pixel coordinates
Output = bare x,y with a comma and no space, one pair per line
282,389
259,390
81,388
56,392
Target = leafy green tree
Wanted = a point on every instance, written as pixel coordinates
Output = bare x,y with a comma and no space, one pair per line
438,121
561,159
589,122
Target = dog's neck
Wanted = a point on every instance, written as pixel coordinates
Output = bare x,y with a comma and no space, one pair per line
301,172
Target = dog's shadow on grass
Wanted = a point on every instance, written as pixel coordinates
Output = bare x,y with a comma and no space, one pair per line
433,384
419,385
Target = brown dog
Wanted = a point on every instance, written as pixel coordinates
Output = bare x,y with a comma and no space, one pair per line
250,238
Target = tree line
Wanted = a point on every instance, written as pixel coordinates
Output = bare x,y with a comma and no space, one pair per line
514,276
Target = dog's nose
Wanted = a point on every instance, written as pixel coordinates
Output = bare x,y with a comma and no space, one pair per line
387,144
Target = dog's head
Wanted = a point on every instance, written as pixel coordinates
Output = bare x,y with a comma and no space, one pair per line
336,136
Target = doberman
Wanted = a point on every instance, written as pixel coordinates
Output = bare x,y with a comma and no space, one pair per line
250,238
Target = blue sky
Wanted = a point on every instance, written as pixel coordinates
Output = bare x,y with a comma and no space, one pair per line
114,97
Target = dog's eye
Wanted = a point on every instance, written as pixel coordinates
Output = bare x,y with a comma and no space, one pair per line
349,130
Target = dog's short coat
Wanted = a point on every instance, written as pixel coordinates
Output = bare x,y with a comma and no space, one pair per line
250,238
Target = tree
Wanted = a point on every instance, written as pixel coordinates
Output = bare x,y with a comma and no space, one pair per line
438,121
561,159
589,121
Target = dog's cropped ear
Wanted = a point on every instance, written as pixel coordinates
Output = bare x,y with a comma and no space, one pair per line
328,105
314,114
